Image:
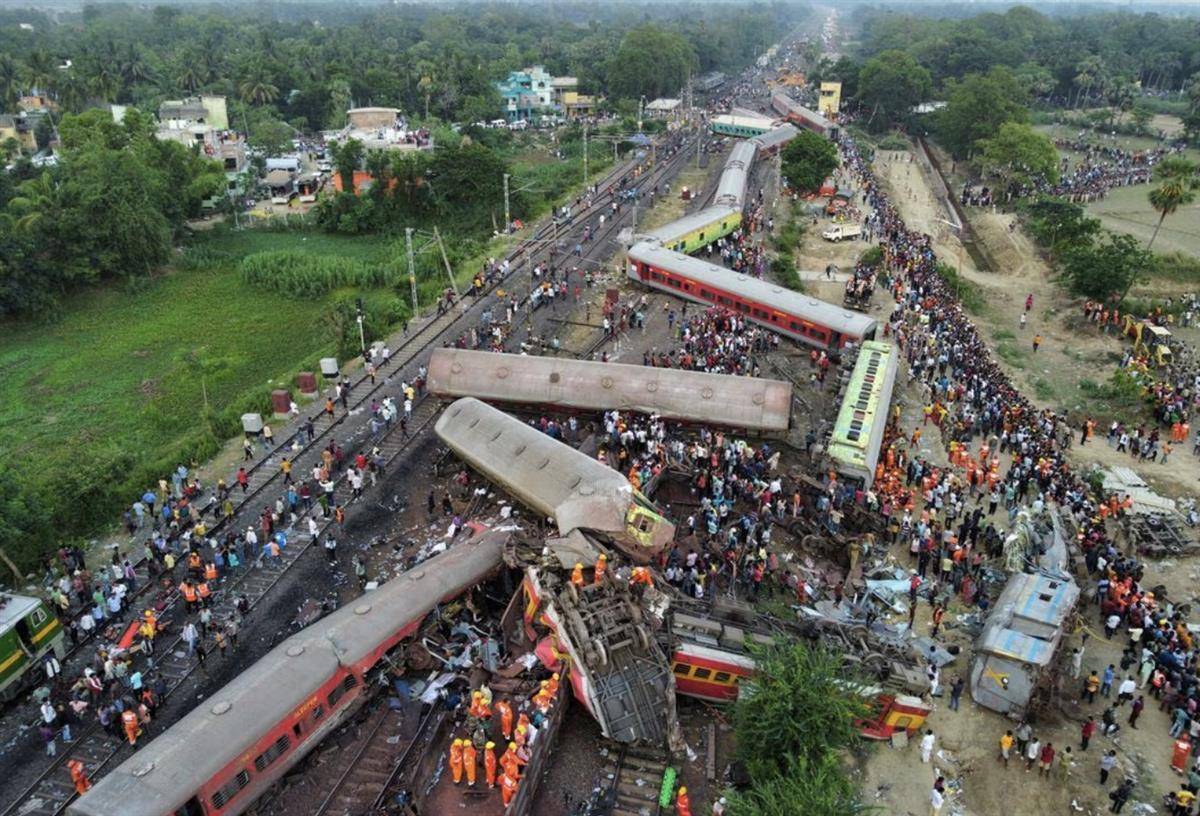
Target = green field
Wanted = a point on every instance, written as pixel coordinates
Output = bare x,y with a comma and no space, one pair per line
101,400
1128,210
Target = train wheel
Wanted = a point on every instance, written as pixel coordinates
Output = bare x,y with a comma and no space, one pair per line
601,653
573,593
643,637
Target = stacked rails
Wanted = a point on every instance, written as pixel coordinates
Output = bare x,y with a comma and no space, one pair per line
858,432
802,318
801,116
235,745
554,479
748,403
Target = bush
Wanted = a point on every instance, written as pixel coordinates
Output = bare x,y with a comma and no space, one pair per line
299,275
872,257
894,141
968,293
1177,266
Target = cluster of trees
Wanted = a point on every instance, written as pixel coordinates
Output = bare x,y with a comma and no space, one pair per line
1098,263
794,725
808,160
458,184
306,65
1114,61
110,208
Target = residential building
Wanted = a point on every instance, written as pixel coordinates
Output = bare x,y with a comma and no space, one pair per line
662,108
830,101
19,127
532,92
576,105
206,109
381,129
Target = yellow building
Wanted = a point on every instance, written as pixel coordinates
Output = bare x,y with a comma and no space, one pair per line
831,99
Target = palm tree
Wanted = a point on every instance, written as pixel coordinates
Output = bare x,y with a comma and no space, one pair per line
34,199
1177,182
134,68
11,85
71,90
40,69
256,87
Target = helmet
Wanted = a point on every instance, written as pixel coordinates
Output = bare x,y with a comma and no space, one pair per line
683,791
490,745
458,743
603,557
555,676
512,746
578,565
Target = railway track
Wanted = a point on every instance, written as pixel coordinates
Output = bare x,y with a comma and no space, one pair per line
636,777
51,792
374,771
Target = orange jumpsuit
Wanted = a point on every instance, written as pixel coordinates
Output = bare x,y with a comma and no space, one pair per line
683,805
469,763
79,777
508,788
577,575
130,722
489,766
511,763
601,566
506,721
456,761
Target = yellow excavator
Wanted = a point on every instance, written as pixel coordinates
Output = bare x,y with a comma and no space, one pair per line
1149,339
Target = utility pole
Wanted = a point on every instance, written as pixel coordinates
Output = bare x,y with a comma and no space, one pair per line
412,272
585,156
507,218
446,261
641,101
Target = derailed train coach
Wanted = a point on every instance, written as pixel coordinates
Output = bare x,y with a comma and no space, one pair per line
234,746
753,404
554,479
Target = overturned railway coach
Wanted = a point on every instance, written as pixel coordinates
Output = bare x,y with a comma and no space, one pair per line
554,479
805,319
752,404
232,747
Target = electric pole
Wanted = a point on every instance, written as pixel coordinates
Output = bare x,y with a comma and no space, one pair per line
446,261
585,156
412,272
507,219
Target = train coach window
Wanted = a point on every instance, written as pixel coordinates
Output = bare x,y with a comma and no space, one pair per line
227,791
277,749
724,301
704,293
683,669
317,713
702,674
722,677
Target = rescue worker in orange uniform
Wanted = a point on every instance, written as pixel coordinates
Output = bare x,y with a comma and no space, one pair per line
204,592
189,594
456,760
479,709
506,721
79,777
577,575
469,762
552,685
683,805
641,575
508,788
489,764
210,571
510,762
129,721
601,568
542,700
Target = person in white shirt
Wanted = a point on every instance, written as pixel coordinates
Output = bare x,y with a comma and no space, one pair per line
927,742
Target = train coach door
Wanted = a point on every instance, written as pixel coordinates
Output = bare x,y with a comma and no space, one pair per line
192,808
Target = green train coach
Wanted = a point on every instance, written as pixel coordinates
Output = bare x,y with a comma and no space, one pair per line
29,630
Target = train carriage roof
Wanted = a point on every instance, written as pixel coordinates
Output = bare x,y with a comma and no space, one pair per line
165,773
773,138
672,232
795,107
845,322
694,396
731,187
549,476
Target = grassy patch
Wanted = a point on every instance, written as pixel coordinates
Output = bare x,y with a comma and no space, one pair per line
967,292
1044,389
1011,354
1004,334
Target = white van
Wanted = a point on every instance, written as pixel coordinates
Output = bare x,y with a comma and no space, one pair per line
842,232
